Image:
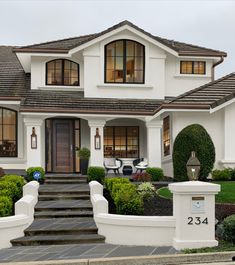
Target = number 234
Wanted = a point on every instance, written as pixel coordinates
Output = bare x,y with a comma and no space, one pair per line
197,221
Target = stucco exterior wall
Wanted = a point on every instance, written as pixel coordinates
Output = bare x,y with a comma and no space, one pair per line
213,123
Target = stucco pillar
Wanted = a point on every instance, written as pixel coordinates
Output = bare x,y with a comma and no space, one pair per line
35,157
194,212
154,148
97,155
229,132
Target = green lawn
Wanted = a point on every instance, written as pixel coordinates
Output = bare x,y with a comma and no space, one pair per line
227,194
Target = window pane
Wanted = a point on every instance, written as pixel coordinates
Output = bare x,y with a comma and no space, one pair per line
9,132
186,67
166,135
0,132
130,48
58,64
119,48
118,76
139,50
110,75
139,63
110,62
110,49
199,68
139,76
9,116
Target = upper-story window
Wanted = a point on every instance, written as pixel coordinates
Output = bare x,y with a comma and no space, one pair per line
124,62
62,72
193,67
166,136
8,133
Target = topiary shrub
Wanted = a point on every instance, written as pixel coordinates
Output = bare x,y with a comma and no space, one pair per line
224,174
193,138
18,180
96,173
128,201
229,228
10,189
30,171
156,173
6,206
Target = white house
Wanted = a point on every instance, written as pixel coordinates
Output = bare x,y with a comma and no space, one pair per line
134,90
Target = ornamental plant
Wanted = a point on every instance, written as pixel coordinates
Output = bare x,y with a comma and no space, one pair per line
96,173
142,177
6,206
156,173
193,138
84,153
146,190
224,174
229,228
10,190
30,171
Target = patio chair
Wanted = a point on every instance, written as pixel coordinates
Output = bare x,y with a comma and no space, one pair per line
140,164
112,164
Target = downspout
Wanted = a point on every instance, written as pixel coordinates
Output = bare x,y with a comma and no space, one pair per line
213,67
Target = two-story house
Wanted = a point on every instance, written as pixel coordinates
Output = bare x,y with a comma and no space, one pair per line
133,90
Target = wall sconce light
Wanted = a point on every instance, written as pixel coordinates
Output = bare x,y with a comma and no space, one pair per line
97,140
33,139
193,167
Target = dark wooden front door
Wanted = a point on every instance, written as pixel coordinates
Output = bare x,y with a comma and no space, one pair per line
63,154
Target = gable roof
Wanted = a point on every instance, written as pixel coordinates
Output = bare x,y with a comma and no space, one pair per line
65,45
208,96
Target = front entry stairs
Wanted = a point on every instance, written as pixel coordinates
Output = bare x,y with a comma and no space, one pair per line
63,214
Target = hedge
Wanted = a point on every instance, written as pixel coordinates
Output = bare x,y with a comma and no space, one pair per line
6,206
30,171
96,173
156,173
193,138
229,228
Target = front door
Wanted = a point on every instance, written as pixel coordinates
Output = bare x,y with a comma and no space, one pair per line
63,158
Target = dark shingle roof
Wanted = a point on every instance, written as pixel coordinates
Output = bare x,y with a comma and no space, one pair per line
13,80
65,45
212,94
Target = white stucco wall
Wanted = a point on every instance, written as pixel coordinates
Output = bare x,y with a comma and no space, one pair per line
213,123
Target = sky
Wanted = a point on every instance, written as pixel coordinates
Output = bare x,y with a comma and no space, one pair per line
208,23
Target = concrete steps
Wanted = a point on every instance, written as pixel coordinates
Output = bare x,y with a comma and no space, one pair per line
63,214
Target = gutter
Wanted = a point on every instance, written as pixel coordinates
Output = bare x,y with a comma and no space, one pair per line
213,67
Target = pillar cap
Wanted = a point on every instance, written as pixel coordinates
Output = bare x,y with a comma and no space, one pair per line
195,187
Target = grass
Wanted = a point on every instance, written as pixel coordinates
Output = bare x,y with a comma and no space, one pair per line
223,246
227,194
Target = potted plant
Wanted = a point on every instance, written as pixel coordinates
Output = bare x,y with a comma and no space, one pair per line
84,154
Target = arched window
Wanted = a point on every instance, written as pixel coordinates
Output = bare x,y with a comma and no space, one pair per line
124,62
8,133
62,72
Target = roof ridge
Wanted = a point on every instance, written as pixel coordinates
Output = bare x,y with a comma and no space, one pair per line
203,86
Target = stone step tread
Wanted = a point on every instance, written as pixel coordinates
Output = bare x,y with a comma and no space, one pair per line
65,181
63,197
63,204
63,214
57,239
65,177
56,188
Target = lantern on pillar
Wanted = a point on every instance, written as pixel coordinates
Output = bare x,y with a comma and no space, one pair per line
97,140
193,167
33,139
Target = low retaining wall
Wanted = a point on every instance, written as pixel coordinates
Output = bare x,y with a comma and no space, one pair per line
12,227
130,230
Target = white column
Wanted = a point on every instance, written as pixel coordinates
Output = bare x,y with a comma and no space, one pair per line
229,132
97,155
154,146
194,211
35,157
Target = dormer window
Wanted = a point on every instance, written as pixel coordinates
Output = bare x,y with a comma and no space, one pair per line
124,62
62,72
193,67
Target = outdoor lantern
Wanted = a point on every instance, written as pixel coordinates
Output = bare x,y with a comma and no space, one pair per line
193,167
33,139
97,139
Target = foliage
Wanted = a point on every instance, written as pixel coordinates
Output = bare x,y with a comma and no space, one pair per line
18,180
2,172
31,170
109,182
165,193
146,190
10,189
223,246
224,174
142,177
232,174
128,201
6,206
96,173
156,173
193,138
84,153
229,228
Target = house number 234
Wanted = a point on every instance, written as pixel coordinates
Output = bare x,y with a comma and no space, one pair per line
197,221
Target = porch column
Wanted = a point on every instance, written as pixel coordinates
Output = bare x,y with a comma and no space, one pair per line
154,147
97,155
35,156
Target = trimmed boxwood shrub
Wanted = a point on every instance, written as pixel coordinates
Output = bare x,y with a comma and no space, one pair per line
18,180
96,173
6,206
193,138
31,170
11,190
109,182
224,174
229,228
155,172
